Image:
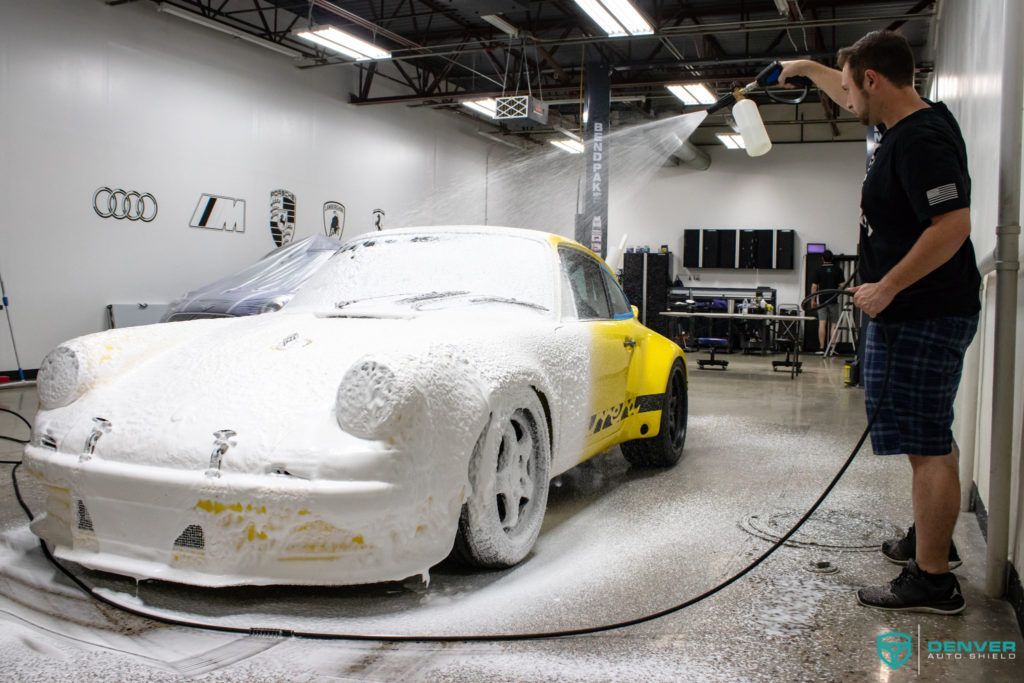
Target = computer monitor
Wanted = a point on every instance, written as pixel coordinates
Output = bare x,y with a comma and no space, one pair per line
815,248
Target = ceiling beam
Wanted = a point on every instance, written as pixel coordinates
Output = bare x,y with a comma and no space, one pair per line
913,10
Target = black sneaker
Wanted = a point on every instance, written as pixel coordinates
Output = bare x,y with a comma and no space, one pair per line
899,550
915,590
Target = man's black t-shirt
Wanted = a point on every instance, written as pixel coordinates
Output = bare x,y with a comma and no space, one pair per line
828,276
918,172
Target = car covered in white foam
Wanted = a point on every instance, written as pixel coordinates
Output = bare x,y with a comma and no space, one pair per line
418,393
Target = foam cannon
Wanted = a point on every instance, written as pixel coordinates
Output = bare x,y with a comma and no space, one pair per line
748,120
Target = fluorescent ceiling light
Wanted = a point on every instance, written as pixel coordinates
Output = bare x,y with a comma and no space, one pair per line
223,28
488,107
702,93
616,17
344,43
732,141
500,24
782,6
627,15
568,145
683,94
601,16
693,94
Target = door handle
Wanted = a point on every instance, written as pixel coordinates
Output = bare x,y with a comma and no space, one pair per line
629,343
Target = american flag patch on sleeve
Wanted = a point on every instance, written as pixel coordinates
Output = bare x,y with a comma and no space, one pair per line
940,194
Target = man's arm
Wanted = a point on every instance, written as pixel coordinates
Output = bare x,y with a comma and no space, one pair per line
827,79
814,290
934,247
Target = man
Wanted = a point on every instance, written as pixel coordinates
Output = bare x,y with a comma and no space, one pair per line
827,276
921,285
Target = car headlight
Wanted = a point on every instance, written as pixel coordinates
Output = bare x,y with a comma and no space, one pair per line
376,400
61,378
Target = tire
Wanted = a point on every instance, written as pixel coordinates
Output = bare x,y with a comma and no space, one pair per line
509,473
665,449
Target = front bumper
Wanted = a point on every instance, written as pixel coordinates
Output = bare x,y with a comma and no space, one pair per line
241,529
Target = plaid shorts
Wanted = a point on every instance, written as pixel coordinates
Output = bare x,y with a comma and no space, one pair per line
927,359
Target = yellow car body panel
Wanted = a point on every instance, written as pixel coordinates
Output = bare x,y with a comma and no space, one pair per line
627,381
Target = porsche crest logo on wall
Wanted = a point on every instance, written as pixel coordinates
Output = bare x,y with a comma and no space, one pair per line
334,219
219,213
282,216
378,219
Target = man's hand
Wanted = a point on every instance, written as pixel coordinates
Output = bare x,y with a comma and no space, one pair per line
829,80
872,297
795,67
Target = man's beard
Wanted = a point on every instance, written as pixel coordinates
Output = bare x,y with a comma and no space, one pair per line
864,115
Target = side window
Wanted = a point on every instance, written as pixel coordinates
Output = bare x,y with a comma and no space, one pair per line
620,305
586,283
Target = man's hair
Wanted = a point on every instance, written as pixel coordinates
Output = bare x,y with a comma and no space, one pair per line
886,52
827,256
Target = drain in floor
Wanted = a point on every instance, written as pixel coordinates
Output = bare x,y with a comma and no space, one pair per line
832,529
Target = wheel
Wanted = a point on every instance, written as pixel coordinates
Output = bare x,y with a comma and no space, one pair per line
665,449
509,474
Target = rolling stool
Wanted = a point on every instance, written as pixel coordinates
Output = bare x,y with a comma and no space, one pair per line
791,364
712,343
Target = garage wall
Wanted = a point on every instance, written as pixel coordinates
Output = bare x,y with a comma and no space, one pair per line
126,97
813,189
968,74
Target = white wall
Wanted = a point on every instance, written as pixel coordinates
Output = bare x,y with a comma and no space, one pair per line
126,97
813,189
968,64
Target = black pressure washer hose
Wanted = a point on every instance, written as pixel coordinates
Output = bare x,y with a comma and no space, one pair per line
283,633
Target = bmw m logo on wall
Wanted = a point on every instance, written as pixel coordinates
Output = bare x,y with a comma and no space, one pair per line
124,204
282,216
219,213
334,219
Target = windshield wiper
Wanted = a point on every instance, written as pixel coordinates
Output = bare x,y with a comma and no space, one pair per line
416,299
507,300
430,296
343,304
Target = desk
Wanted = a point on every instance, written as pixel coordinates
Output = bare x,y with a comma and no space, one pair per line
793,332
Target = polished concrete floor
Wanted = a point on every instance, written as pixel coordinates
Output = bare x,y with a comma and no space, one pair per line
618,543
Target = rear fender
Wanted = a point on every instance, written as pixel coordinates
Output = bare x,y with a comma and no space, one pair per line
648,379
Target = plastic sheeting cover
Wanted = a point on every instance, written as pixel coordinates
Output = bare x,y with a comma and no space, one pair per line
266,285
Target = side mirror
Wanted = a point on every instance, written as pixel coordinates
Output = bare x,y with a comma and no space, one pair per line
636,312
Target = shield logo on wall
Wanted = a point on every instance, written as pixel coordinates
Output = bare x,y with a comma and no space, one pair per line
378,219
282,216
894,648
334,219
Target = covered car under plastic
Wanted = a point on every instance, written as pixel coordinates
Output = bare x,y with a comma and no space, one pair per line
265,286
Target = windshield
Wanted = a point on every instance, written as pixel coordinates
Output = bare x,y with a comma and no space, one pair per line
410,269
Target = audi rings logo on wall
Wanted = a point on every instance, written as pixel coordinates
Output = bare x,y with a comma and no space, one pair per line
124,204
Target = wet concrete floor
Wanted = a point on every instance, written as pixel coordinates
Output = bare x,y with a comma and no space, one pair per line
618,543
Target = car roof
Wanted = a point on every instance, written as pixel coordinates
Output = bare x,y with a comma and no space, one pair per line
550,238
